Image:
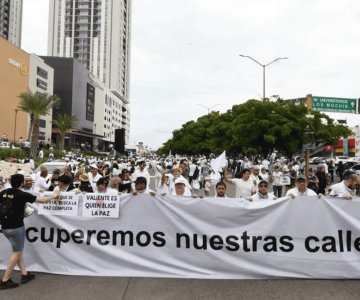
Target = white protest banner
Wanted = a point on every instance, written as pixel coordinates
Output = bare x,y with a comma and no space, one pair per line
285,180
68,206
200,238
100,205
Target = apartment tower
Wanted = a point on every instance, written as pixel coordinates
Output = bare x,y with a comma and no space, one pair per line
97,34
10,20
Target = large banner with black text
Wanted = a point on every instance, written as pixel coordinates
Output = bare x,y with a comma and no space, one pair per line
214,238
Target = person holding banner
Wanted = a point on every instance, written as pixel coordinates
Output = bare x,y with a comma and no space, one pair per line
14,230
345,189
263,193
220,190
300,188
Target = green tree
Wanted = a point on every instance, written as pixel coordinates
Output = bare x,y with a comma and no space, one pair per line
36,104
63,123
255,127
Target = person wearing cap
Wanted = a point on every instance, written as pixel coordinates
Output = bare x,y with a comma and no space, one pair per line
263,192
85,185
345,189
14,230
180,188
301,188
140,185
125,184
141,171
177,174
94,176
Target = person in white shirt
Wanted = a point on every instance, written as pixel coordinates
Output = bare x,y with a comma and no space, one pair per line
345,189
180,188
164,187
244,187
141,172
220,190
263,193
265,163
276,181
94,176
42,182
141,187
300,188
255,176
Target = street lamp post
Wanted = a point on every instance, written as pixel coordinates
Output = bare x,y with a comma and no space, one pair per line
208,108
16,110
263,66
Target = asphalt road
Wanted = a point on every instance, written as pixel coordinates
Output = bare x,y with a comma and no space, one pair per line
54,287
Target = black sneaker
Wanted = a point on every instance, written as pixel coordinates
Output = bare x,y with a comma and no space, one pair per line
9,284
26,278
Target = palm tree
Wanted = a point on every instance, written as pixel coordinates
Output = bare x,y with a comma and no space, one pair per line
63,123
36,104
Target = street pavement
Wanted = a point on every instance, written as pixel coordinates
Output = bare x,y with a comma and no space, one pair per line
47,286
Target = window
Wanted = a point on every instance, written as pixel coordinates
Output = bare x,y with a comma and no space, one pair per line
41,84
41,72
42,123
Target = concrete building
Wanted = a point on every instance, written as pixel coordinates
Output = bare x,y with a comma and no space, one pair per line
97,110
41,79
14,79
10,20
97,34
19,73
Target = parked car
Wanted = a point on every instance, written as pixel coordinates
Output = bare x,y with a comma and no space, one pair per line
5,145
354,168
51,166
342,159
316,160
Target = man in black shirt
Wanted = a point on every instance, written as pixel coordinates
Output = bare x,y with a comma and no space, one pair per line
14,230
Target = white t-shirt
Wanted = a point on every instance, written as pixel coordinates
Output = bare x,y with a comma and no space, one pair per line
276,177
295,192
341,190
259,197
243,188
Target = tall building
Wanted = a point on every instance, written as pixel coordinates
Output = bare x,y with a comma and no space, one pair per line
97,34
10,20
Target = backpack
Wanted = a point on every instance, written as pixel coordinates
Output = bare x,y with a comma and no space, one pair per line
6,206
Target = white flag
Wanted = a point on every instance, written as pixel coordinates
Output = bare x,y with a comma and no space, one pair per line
219,163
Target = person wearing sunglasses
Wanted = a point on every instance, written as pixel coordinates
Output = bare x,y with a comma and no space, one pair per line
263,192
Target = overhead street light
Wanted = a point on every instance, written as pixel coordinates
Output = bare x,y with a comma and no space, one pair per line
208,108
263,66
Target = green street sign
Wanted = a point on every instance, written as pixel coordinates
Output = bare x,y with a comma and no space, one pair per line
344,105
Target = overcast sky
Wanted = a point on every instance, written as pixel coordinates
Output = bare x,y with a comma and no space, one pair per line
186,52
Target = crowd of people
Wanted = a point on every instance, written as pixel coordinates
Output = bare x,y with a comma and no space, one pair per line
253,181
